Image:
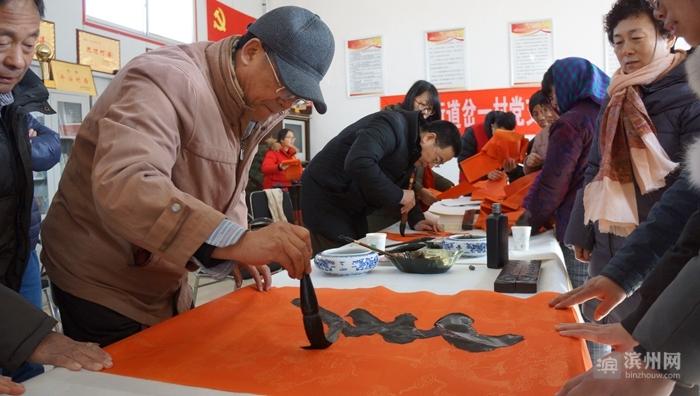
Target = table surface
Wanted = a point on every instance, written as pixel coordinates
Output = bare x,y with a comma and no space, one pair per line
543,247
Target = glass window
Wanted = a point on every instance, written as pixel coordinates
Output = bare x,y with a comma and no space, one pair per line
170,19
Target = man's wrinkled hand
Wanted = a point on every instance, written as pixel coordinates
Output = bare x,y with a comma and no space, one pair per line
60,351
283,243
600,288
261,275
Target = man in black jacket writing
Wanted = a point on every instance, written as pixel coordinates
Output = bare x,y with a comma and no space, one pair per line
368,166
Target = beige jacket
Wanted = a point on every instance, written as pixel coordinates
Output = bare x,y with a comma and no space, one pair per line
158,163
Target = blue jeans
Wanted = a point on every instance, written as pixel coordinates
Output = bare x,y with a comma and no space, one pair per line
30,288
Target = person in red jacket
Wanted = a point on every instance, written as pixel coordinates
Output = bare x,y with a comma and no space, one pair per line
277,161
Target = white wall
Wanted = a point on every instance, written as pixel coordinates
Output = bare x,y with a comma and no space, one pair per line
577,31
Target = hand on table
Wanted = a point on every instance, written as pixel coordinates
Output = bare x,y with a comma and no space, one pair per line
283,243
7,387
408,201
631,382
582,255
60,351
261,275
598,287
427,225
609,334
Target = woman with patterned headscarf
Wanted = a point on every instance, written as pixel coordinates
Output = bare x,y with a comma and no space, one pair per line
577,88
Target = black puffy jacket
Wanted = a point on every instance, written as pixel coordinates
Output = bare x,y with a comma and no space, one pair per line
16,181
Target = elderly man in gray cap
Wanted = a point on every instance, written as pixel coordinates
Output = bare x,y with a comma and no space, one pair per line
156,180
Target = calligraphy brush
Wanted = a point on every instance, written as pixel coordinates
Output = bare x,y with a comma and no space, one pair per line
404,216
364,245
313,325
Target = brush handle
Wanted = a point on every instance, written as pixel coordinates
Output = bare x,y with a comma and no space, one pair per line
404,216
364,245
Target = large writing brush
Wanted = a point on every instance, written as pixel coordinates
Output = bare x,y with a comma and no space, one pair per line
404,216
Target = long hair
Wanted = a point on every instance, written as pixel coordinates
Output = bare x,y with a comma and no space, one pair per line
281,134
417,89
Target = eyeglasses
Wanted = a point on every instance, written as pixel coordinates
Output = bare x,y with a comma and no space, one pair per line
438,160
424,108
282,92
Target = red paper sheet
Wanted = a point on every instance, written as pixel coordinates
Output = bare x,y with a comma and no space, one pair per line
478,166
490,189
249,341
504,145
293,172
457,191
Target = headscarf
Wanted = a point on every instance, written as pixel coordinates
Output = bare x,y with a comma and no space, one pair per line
576,79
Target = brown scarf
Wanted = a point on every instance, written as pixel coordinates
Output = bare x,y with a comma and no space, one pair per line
629,151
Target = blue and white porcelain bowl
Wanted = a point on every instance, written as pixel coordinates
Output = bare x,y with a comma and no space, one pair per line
346,261
469,245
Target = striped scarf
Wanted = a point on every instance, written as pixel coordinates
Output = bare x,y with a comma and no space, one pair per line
629,152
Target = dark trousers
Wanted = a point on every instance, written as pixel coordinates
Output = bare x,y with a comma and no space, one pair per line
87,321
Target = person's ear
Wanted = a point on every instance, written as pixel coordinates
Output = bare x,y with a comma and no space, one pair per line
670,42
252,49
428,137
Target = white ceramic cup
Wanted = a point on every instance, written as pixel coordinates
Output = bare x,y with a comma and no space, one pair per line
521,237
376,239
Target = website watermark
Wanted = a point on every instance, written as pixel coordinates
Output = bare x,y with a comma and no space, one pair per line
633,365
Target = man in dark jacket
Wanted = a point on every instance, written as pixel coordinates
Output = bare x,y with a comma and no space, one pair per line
28,336
368,166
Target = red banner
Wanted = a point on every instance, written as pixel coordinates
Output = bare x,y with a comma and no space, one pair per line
224,21
466,108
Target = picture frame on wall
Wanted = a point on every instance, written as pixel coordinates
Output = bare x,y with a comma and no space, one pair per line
101,53
300,128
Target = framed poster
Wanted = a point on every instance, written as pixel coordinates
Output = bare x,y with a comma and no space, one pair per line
364,66
444,58
531,51
47,35
71,77
99,52
300,128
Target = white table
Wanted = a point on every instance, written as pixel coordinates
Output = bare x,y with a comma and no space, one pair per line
61,382
543,247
